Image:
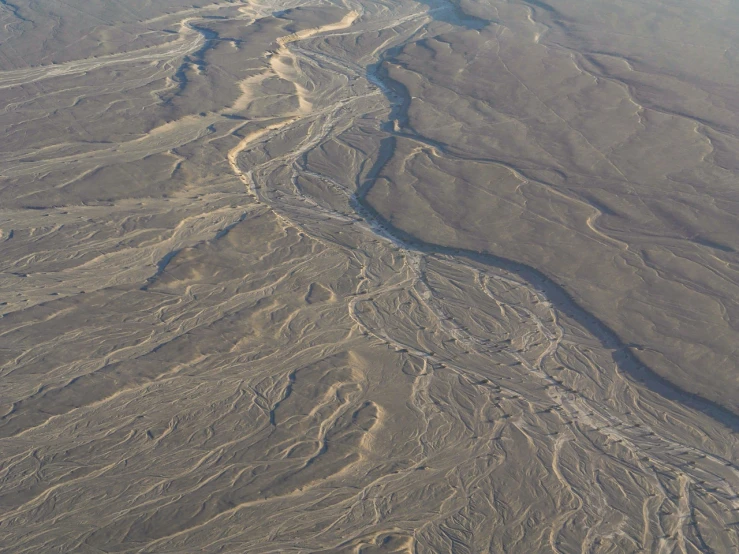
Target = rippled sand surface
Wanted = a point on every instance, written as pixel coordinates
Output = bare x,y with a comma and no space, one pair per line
369,276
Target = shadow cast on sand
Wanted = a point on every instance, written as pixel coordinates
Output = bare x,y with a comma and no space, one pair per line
623,356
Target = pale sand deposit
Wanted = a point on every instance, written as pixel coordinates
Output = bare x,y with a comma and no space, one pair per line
368,276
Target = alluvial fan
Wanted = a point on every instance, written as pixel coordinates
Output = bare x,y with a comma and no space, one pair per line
369,276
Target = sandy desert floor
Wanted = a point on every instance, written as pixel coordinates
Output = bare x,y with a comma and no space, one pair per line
369,276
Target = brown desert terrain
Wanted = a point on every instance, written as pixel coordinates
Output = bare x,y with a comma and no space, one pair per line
369,276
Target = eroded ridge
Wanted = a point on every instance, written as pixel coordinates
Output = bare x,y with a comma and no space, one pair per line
239,349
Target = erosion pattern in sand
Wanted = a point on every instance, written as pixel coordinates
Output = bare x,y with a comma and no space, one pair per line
452,276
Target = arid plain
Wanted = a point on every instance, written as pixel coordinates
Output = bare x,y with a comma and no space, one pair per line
369,276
